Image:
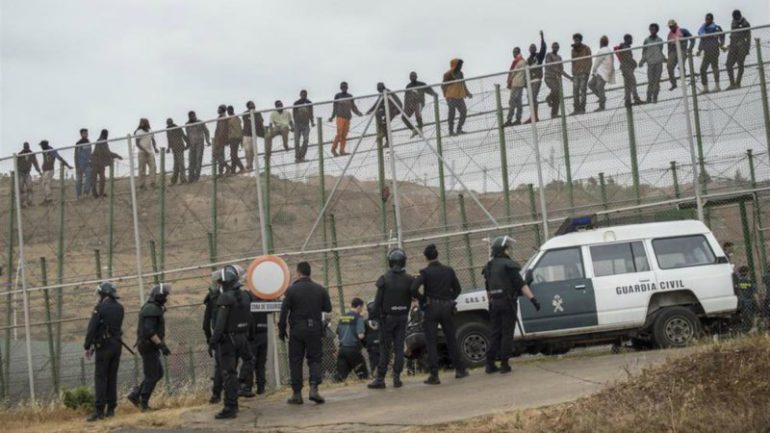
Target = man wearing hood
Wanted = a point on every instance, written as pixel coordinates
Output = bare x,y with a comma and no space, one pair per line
711,41
676,32
581,68
516,83
83,164
391,310
740,44
414,99
455,92
652,54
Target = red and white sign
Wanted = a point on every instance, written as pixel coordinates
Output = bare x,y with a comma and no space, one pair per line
268,277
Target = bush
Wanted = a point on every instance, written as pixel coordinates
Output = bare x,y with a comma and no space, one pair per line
78,398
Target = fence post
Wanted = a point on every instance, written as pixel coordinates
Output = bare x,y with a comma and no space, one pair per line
603,191
565,139
677,192
337,267
763,91
9,298
747,238
467,239
97,264
633,155
322,190
59,264
394,180
381,188
49,328
162,258
154,258
533,213
111,221
135,217
757,212
536,145
266,198
699,179
441,183
214,225
503,156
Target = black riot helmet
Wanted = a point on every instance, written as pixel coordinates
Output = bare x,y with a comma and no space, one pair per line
397,259
160,293
230,276
107,289
500,245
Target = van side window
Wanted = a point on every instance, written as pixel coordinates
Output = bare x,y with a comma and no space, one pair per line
559,265
617,259
683,251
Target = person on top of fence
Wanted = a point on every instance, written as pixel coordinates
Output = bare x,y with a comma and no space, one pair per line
351,332
146,150
554,70
455,93
249,139
343,106
50,155
652,54
177,143
710,46
150,341
303,120
627,68
234,139
103,338
534,61
740,44
516,84
197,135
26,160
395,109
221,135
101,158
603,72
581,68
414,100
82,164
675,32
280,124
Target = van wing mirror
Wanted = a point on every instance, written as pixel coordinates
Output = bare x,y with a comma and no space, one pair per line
528,278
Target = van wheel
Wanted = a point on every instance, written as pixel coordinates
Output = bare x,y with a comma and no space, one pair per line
473,340
675,327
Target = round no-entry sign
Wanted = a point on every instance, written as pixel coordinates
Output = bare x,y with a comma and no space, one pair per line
268,277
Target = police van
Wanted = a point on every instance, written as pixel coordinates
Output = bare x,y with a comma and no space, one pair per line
655,284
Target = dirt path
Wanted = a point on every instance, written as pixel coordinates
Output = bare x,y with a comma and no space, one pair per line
355,408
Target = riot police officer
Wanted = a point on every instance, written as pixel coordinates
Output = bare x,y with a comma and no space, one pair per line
230,337
441,288
209,320
302,309
391,308
255,370
150,335
504,285
103,339
372,337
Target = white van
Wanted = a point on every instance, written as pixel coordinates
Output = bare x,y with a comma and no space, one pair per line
655,284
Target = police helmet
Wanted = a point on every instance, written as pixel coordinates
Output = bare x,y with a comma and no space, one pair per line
397,259
160,292
229,275
500,244
106,288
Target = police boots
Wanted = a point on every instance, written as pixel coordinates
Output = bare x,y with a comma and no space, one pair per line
260,388
96,416
227,413
461,373
504,367
378,383
314,395
491,368
295,398
397,381
245,391
432,379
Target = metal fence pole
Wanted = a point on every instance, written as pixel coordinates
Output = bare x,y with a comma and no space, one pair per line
212,259
162,258
97,264
49,327
9,296
59,264
337,267
322,191
154,261
503,155
381,184
135,212
565,140
757,212
603,191
675,177
686,105
394,180
23,272
763,91
632,153
747,238
111,221
441,180
467,239
533,212
214,224
536,144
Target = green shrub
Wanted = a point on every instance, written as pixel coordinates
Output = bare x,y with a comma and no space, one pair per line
78,398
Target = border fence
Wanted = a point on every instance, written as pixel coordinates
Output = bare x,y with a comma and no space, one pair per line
690,154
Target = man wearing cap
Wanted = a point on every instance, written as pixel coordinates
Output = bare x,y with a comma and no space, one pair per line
675,33
103,339
441,288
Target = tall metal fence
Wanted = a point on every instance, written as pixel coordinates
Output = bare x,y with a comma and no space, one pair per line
685,153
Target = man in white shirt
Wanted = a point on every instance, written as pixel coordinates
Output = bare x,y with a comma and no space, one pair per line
603,71
280,124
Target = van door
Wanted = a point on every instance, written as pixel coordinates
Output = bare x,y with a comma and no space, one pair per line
559,282
623,282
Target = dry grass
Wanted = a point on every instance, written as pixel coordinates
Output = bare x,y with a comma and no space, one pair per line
723,388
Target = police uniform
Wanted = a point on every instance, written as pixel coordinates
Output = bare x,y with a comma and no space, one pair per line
503,284
151,322
230,340
302,308
372,338
258,347
746,303
349,357
104,333
441,289
391,308
209,320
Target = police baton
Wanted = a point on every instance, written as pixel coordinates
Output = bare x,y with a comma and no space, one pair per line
127,348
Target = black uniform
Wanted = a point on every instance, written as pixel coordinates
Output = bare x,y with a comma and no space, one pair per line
209,320
503,284
258,347
391,308
441,289
230,338
104,333
372,339
151,322
302,307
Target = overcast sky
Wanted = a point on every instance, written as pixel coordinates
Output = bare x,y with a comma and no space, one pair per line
103,64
